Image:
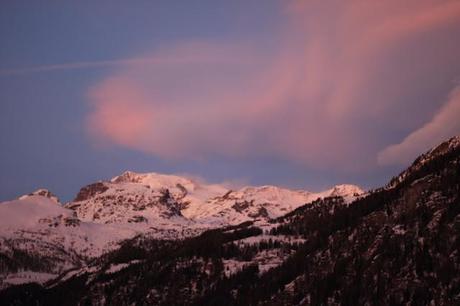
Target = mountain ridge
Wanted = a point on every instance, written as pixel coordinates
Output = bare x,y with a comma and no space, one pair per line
196,201
105,213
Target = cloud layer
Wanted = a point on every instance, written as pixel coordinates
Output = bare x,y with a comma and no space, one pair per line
347,80
444,124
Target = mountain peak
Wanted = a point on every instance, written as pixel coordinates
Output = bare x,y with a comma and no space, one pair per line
441,149
126,176
346,189
444,148
155,180
43,193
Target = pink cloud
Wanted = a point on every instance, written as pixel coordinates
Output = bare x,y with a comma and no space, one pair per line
120,113
344,77
444,124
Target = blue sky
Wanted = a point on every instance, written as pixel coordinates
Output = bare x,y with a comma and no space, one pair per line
46,141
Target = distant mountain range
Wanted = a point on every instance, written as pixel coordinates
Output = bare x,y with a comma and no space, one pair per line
154,239
61,237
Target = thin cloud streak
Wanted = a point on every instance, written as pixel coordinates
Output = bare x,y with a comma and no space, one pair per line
76,65
92,64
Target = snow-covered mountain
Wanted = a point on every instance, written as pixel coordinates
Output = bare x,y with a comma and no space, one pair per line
49,238
38,233
259,203
152,200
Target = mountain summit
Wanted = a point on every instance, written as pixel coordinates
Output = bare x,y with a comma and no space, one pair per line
152,198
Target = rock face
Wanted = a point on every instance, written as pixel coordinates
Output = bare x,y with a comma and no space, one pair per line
90,191
397,245
118,202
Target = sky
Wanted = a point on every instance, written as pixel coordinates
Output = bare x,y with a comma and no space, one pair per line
300,94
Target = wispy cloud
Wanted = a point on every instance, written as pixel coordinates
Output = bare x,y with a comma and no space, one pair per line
94,64
444,124
346,78
67,66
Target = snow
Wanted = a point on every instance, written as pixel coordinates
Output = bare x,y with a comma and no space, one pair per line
178,186
118,267
132,197
27,211
250,203
24,277
38,219
131,205
42,192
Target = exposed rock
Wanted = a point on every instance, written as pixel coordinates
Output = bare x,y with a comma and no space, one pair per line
90,191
